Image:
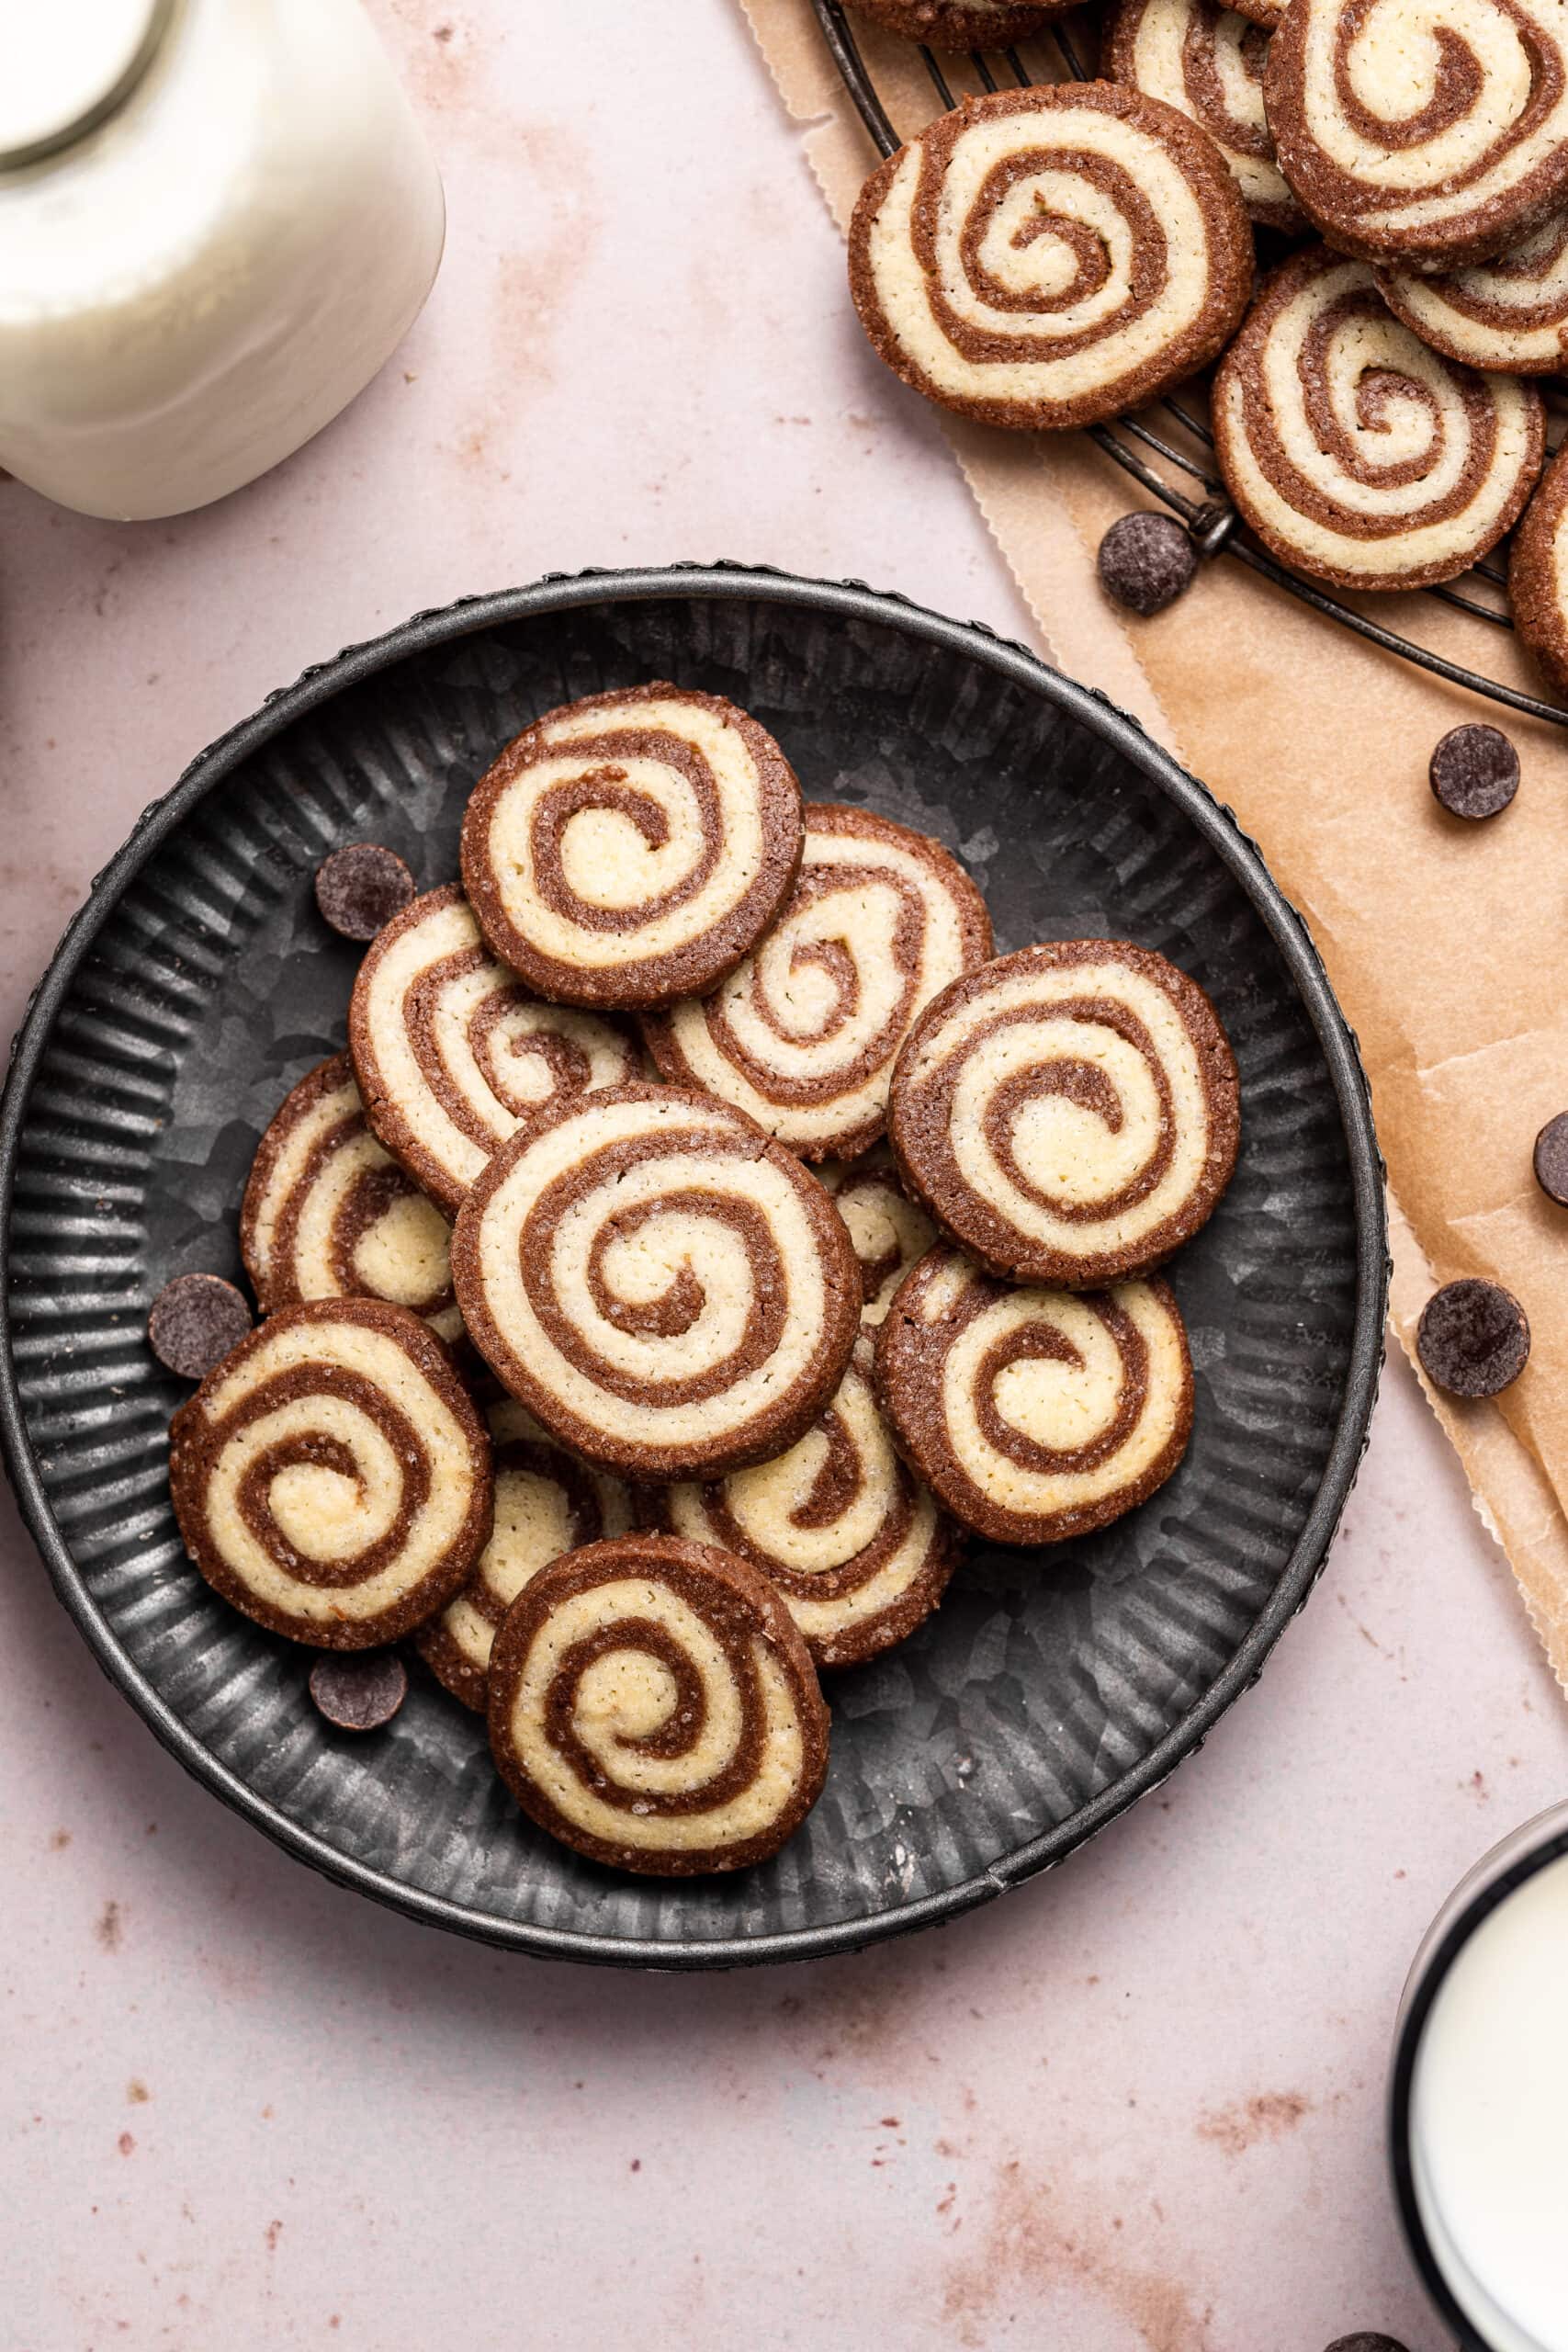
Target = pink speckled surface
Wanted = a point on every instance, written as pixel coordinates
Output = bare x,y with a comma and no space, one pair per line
1132,2107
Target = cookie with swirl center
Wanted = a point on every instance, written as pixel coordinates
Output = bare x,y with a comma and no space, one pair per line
1357,454
1537,574
1422,130
962,24
1046,258
653,1705
838,1523
630,848
1070,1113
1510,313
327,1214
547,1501
665,1288
804,1033
1035,1415
1207,62
889,1231
332,1478
452,1052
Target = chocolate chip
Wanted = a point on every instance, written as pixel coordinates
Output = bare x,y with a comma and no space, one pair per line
361,1692
360,887
1474,771
1472,1338
1551,1159
195,1322
1145,561
1365,2342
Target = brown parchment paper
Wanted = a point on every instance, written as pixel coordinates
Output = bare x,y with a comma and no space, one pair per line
1444,940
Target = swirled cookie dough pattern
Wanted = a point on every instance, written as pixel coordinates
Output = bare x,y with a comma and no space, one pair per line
855,1545
1355,453
1071,1113
1511,313
327,1214
629,849
652,1704
889,1231
1207,62
547,1503
666,1289
1035,1415
452,1052
962,24
331,1477
1045,257
1537,574
1422,129
804,1033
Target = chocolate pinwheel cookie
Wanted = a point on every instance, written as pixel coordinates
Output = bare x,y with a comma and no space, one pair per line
652,1704
1048,256
1034,1414
888,1230
838,1523
962,24
1510,313
1070,1113
1357,454
1422,130
331,1477
1207,62
547,1503
666,1289
804,1033
327,1214
1537,574
629,848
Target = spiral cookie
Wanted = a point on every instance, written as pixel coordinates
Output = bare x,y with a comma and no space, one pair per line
1207,62
629,848
1511,313
805,1031
547,1503
328,1215
1071,1113
1048,256
962,24
331,1477
1422,129
663,1287
652,1704
1357,454
888,1230
1034,1415
1537,574
451,1051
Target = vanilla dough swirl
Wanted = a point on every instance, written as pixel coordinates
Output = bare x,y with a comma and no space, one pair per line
804,1033
1510,313
1359,455
652,1704
331,1477
1207,62
1537,574
1035,1415
1051,255
889,1231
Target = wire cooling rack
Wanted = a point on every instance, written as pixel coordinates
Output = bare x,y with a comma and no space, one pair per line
1169,430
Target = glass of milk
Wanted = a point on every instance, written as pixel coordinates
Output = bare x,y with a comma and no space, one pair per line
1479,2111
217,218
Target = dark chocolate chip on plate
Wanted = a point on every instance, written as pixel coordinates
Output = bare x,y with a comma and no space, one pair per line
1551,1159
1472,1338
362,887
1145,561
361,1690
1474,771
195,1321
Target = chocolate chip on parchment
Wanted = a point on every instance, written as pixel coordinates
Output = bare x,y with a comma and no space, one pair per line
1472,1338
1551,1159
361,887
1474,771
359,1690
1365,2342
195,1321
1145,561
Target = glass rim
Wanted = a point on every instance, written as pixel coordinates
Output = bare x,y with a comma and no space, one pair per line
99,110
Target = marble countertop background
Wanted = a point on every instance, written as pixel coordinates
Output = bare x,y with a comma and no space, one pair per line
1135,2107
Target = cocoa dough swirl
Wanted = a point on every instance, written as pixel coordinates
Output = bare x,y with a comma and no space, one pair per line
452,1052
804,1033
1070,1113
1537,575
1420,131
630,848
1207,62
547,1501
1357,454
328,1214
962,24
664,1288
854,1542
652,1705
1511,313
889,1231
331,1477
1048,256
1035,1415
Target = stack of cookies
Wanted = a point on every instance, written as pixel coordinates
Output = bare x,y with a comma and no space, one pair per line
1054,255
703,1229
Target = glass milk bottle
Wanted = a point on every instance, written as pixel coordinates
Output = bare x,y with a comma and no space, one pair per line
217,218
